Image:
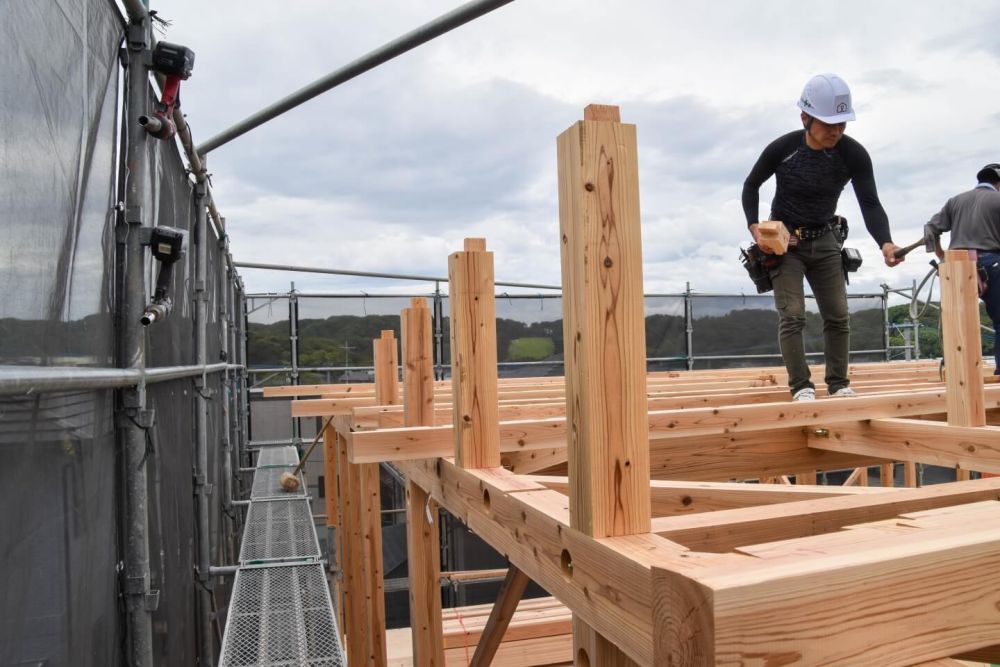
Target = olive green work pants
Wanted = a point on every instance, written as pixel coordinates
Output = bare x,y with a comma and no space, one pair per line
819,262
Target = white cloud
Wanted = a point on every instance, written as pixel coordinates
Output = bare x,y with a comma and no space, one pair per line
457,138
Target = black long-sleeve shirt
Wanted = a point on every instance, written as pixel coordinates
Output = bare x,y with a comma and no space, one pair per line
809,183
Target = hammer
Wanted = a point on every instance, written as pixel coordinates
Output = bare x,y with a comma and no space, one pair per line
290,480
927,240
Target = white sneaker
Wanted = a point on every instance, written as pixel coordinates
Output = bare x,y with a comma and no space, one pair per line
804,394
844,391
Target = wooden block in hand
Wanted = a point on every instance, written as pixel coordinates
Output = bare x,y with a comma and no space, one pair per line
773,236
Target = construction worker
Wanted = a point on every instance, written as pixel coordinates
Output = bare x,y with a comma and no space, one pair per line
811,167
973,218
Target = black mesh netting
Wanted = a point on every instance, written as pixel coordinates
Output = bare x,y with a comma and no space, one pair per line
61,479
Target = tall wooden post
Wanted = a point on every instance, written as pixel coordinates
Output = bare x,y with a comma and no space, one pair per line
604,340
422,533
474,356
963,349
365,490
334,505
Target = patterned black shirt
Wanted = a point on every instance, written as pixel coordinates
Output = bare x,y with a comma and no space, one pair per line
809,183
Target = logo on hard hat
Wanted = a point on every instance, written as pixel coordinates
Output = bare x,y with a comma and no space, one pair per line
842,108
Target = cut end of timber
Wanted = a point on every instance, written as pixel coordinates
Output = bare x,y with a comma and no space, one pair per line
605,112
289,482
475,245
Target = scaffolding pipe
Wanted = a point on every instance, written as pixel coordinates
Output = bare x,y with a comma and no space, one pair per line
293,341
140,601
223,570
439,26
202,488
367,274
45,379
226,430
245,425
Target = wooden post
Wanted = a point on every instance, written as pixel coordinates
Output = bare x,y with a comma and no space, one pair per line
334,507
352,541
806,477
963,350
604,340
363,541
386,369
887,474
474,356
418,364
422,533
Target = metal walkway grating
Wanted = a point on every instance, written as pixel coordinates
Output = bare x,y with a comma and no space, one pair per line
266,484
278,456
279,530
281,616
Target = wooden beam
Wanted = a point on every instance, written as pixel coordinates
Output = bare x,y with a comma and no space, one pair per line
473,356
914,440
669,498
426,442
606,581
933,603
511,592
728,529
423,540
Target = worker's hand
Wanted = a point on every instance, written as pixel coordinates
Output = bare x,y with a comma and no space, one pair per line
888,250
938,250
756,239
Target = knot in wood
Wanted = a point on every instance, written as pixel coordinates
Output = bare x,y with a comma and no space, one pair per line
608,263
589,187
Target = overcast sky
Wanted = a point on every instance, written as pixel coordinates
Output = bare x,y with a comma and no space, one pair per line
390,171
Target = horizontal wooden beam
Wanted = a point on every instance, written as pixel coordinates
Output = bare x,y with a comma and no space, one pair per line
970,447
676,497
606,581
728,529
918,597
436,441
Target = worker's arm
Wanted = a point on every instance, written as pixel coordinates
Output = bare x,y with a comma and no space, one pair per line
939,223
762,170
863,180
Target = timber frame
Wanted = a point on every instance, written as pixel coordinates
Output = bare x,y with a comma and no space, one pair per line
624,494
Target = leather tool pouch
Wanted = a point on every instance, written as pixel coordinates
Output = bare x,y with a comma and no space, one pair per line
759,266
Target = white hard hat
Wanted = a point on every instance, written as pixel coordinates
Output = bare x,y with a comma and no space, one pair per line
827,98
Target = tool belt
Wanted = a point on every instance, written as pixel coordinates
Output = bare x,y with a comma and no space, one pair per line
759,265
810,233
837,225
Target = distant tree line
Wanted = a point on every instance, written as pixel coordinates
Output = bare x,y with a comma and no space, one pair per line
346,340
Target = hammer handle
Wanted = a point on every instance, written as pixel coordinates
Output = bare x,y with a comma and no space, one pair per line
903,252
305,458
